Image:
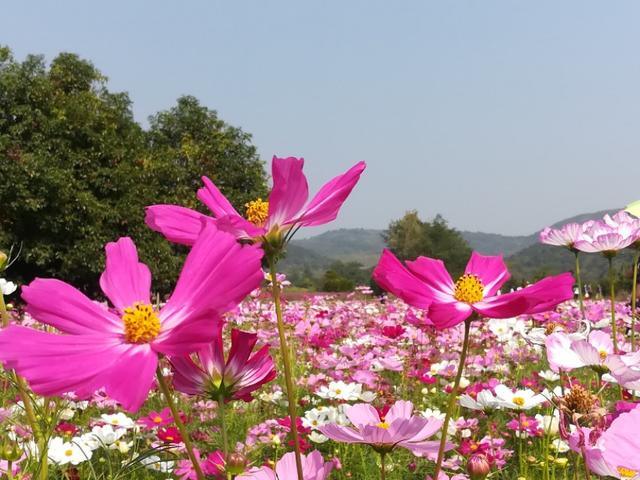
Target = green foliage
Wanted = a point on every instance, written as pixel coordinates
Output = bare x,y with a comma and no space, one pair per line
334,282
78,170
410,237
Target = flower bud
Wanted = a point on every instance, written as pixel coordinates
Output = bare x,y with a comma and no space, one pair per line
3,260
236,463
10,451
478,467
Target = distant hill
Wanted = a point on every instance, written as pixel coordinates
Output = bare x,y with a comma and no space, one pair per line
525,256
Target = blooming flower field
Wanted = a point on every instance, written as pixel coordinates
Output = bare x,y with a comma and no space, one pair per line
446,378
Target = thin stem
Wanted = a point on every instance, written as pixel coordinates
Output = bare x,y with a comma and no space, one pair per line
612,282
579,280
586,467
634,293
164,388
286,363
452,396
223,428
383,472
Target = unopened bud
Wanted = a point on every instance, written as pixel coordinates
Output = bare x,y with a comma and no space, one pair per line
478,467
236,463
10,451
3,260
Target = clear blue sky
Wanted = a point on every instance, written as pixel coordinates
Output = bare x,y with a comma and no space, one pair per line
503,116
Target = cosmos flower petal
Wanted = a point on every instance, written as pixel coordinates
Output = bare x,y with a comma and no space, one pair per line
211,196
188,377
392,276
435,275
339,433
290,190
239,227
217,275
177,224
71,312
491,270
242,344
187,336
125,281
362,414
400,409
446,315
325,205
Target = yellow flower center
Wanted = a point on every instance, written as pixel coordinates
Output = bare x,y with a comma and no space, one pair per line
469,289
384,425
603,355
157,419
626,472
68,452
338,391
518,401
141,323
257,212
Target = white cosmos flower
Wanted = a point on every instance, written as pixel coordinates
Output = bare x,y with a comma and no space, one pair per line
549,375
317,437
433,413
505,329
7,288
73,452
340,390
103,436
118,420
153,462
520,399
485,400
559,445
550,423
565,353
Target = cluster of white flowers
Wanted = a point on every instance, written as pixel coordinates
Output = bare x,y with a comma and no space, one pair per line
349,392
505,398
324,415
6,287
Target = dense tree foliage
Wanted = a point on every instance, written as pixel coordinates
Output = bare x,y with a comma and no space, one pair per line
77,170
410,237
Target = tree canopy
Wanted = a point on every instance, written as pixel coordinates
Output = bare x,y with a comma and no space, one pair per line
78,170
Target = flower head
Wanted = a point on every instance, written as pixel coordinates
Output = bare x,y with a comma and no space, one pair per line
425,283
264,220
313,468
118,348
566,236
608,237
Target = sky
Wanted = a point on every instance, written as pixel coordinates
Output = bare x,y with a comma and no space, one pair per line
503,116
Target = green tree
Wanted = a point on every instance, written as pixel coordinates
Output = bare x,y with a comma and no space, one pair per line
410,237
77,170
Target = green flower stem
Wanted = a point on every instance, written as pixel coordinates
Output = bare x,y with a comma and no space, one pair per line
453,395
579,280
382,466
286,363
612,287
223,428
634,293
164,388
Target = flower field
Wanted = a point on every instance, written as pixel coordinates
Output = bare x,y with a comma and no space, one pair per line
440,377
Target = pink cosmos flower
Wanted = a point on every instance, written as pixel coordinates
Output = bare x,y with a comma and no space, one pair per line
566,236
565,352
425,283
212,466
284,210
235,379
313,468
157,419
602,237
118,349
615,451
398,428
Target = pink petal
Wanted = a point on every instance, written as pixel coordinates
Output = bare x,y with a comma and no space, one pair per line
427,449
217,275
242,344
403,429
450,314
290,190
188,377
325,205
490,269
286,466
192,334
430,428
125,281
434,274
376,435
400,409
341,434
587,353
264,473
56,364
559,352
393,277
239,227
177,224
362,414
215,200
62,306
503,306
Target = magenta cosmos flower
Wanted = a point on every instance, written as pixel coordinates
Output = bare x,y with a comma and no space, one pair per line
615,452
284,210
398,428
118,349
313,468
425,283
234,379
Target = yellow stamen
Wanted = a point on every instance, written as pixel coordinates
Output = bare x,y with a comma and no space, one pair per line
603,355
627,473
68,453
257,212
518,401
338,391
157,420
384,425
469,288
141,323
